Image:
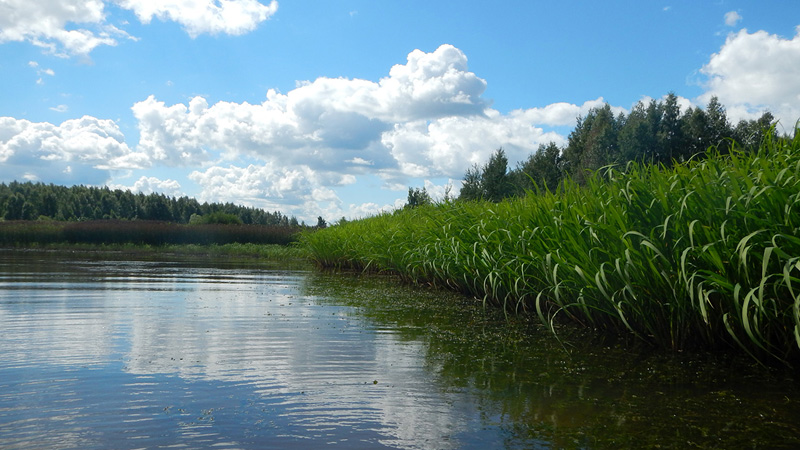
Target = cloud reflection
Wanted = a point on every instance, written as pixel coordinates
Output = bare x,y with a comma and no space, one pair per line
333,372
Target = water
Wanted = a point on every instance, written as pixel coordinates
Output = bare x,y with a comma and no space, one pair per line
104,353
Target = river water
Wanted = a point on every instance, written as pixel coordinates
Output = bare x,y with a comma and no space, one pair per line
100,353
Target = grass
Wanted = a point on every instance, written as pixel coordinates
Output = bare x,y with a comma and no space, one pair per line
704,255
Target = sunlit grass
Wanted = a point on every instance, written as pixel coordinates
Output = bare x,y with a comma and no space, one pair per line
706,254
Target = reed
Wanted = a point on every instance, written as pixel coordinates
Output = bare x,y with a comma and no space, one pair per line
703,255
140,232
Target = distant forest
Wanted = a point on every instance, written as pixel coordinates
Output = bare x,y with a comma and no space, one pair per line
654,133
35,201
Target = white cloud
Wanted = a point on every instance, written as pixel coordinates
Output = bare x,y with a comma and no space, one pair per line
293,190
425,119
561,114
754,72
51,24
76,27
40,71
360,211
87,146
204,16
450,145
732,18
327,123
60,108
150,185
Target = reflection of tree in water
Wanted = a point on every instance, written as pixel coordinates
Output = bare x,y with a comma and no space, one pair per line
586,393
445,367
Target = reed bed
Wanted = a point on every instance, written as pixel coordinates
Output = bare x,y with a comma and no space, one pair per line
704,255
25,233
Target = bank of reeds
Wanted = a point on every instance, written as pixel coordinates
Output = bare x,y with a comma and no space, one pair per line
25,233
704,255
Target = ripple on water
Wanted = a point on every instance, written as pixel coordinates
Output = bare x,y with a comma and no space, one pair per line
154,354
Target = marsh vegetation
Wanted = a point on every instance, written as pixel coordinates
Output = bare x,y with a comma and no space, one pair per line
705,254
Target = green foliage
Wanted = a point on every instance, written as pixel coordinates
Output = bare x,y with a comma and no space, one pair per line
490,182
659,133
471,185
27,201
703,255
217,217
418,197
593,143
542,171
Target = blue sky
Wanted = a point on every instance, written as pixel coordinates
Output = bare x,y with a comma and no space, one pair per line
335,108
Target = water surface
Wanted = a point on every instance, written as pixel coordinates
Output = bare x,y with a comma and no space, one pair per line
112,353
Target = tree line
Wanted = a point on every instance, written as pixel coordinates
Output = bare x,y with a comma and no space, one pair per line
34,201
654,133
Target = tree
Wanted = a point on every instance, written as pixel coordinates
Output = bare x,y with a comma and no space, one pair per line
719,129
14,206
593,143
542,170
750,133
490,182
156,207
321,222
109,205
217,217
418,197
669,135
495,182
696,130
49,206
471,185
636,138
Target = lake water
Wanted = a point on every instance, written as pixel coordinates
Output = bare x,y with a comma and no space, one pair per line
112,353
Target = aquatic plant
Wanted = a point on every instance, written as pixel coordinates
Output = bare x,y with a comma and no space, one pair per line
141,232
704,254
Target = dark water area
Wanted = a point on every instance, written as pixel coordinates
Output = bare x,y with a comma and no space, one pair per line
100,353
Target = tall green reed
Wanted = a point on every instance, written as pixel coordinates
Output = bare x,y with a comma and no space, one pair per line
706,254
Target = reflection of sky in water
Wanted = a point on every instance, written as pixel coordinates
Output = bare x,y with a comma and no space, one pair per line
132,355
147,354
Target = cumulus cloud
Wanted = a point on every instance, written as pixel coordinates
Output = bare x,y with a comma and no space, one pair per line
62,27
204,16
754,72
732,18
448,146
76,27
294,190
150,185
325,123
86,146
426,118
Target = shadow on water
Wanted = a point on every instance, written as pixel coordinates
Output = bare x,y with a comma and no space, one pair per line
108,353
577,392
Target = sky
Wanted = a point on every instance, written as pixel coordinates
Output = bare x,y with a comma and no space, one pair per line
335,108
